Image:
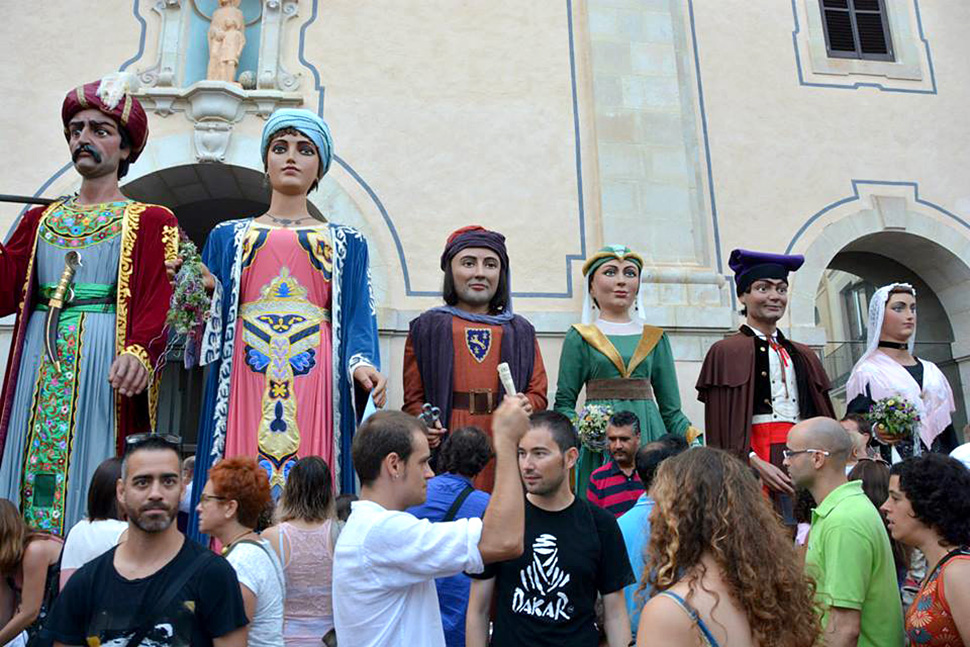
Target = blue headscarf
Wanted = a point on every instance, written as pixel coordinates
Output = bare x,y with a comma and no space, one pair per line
308,123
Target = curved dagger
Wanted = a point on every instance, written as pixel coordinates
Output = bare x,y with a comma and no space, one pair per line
72,261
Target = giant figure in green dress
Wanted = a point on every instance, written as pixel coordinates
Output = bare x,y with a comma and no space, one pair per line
622,362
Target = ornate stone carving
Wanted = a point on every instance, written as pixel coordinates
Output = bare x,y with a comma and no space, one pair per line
170,55
212,140
272,74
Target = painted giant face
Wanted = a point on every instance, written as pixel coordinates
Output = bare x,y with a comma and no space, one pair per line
476,272
292,162
766,300
899,321
614,285
95,142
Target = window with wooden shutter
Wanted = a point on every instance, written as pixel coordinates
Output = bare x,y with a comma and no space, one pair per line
857,29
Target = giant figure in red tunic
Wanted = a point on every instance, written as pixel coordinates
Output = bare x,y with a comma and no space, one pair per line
453,351
86,279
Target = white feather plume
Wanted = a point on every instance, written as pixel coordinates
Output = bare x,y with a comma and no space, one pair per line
115,86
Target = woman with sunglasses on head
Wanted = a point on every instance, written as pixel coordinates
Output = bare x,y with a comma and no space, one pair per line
890,369
229,508
928,507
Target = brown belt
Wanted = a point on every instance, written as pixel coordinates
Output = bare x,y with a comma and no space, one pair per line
477,402
619,389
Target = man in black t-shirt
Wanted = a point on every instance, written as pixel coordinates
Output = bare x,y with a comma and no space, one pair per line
573,550
170,591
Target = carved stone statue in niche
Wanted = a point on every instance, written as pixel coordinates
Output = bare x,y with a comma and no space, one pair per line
226,40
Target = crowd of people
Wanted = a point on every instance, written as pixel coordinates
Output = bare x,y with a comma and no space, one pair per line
483,516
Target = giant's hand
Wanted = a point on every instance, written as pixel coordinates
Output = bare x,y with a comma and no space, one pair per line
372,382
435,434
510,421
128,375
773,477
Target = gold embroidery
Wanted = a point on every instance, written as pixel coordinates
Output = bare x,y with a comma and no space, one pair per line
126,111
170,240
282,332
83,100
595,338
139,352
129,234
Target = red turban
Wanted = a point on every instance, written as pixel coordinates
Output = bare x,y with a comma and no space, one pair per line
127,112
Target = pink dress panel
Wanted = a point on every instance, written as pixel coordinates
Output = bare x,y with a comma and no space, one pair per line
281,276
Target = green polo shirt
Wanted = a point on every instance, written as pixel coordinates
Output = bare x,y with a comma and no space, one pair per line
852,562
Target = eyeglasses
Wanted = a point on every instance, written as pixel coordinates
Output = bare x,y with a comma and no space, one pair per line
211,497
788,453
135,441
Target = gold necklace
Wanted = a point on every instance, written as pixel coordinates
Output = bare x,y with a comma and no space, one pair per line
228,547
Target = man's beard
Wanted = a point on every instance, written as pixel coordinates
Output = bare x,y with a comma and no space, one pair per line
152,524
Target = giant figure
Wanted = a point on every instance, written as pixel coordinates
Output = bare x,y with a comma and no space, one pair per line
757,384
293,323
452,351
86,279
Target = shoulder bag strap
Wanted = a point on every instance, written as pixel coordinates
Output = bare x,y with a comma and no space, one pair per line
453,510
275,561
162,601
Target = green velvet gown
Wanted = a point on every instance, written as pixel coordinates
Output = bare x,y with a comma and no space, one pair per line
588,354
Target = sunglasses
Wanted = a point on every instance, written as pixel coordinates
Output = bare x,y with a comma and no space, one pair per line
135,441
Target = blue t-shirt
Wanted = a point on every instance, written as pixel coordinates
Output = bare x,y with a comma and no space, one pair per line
635,526
443,490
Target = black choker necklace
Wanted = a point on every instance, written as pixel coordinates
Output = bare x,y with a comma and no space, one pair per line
894,344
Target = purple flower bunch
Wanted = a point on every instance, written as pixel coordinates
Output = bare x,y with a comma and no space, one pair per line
189,307
894,418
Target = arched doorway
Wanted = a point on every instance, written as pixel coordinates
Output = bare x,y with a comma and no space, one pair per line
853,275
201,196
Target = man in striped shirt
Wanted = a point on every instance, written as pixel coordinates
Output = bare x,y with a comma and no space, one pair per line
616,486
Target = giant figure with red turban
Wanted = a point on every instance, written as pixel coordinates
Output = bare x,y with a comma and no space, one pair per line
86,280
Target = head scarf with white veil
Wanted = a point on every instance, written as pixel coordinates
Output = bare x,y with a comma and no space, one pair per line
877,375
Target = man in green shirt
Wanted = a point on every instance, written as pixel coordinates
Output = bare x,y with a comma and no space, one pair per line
849,555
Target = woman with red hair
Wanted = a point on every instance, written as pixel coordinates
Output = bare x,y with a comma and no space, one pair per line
231,503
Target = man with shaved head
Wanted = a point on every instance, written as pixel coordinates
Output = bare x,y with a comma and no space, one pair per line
848,549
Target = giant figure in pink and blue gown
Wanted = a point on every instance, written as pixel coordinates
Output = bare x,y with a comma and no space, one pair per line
293,326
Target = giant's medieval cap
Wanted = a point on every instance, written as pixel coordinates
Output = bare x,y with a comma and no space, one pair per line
309,124
751,266
611,253
475,236
112,96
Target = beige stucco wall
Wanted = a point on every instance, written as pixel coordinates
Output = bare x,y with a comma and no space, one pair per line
462,112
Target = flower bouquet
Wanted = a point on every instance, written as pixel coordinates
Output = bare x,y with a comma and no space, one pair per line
591,426
893,419
189,307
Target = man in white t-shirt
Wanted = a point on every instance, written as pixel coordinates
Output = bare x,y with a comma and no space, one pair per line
385,560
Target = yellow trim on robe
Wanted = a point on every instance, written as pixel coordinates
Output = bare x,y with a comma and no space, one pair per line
648,341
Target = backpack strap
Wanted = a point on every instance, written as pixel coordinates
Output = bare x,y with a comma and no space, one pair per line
162,601
453,510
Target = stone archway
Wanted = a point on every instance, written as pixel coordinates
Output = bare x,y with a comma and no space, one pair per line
881,238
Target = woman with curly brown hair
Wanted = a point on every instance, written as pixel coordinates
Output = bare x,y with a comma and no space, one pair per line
230,506
722,567
929,508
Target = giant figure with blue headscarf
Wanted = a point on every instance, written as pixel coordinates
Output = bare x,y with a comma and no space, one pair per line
293,325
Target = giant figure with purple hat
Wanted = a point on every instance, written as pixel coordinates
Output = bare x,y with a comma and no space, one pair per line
756,384
291,339
86,279
453,351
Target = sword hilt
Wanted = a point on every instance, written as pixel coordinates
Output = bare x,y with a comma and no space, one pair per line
72,261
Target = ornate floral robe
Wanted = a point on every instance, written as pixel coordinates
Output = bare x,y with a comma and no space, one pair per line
57,427
296,307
